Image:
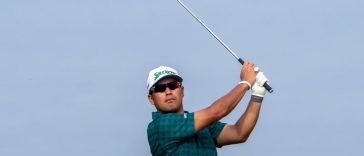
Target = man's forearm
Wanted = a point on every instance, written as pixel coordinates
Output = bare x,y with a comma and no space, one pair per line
248,120
219,108
227,103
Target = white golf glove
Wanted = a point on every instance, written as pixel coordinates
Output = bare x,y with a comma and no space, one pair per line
260,79
258,88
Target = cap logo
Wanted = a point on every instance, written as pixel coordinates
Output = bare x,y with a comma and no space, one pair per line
158,74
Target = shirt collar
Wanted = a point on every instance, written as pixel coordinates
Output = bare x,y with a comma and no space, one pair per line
156,115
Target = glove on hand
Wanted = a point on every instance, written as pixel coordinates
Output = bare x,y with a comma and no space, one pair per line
257,88
260,79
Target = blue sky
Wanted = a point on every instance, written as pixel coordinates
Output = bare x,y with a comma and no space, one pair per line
73,73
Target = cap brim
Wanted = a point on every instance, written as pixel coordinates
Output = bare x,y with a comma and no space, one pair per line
176,77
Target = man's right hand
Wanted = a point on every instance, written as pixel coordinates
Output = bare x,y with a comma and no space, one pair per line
248,73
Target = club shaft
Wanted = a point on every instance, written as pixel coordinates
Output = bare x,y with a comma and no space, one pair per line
209,30
266,85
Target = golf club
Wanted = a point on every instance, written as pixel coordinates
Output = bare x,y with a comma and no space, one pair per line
266,85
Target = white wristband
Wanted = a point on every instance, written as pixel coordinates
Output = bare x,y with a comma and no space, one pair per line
246,82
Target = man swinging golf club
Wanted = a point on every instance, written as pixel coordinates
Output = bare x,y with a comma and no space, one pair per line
175,131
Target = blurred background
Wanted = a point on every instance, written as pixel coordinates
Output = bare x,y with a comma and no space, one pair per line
73,73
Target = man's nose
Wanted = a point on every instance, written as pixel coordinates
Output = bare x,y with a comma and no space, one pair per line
168,91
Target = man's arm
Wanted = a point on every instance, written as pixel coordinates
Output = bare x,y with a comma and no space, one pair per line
224,105
219,108
240,132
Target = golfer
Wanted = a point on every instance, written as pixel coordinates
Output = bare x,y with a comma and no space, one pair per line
174,131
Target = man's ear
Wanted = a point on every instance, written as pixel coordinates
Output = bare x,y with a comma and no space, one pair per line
151,99
182,90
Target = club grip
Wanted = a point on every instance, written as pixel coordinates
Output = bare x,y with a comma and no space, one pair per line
266,85
241,61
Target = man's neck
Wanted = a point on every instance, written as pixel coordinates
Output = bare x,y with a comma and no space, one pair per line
181,111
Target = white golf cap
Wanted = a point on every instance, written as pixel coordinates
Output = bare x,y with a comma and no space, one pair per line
161,72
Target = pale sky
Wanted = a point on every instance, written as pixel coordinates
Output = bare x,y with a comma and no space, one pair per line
73,73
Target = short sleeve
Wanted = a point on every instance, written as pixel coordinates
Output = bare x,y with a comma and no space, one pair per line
215,129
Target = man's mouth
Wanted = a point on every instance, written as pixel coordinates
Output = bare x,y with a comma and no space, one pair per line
170,100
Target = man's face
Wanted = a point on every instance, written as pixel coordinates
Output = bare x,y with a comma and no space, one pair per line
170,100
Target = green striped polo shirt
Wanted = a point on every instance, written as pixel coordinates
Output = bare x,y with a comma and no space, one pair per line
174,134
